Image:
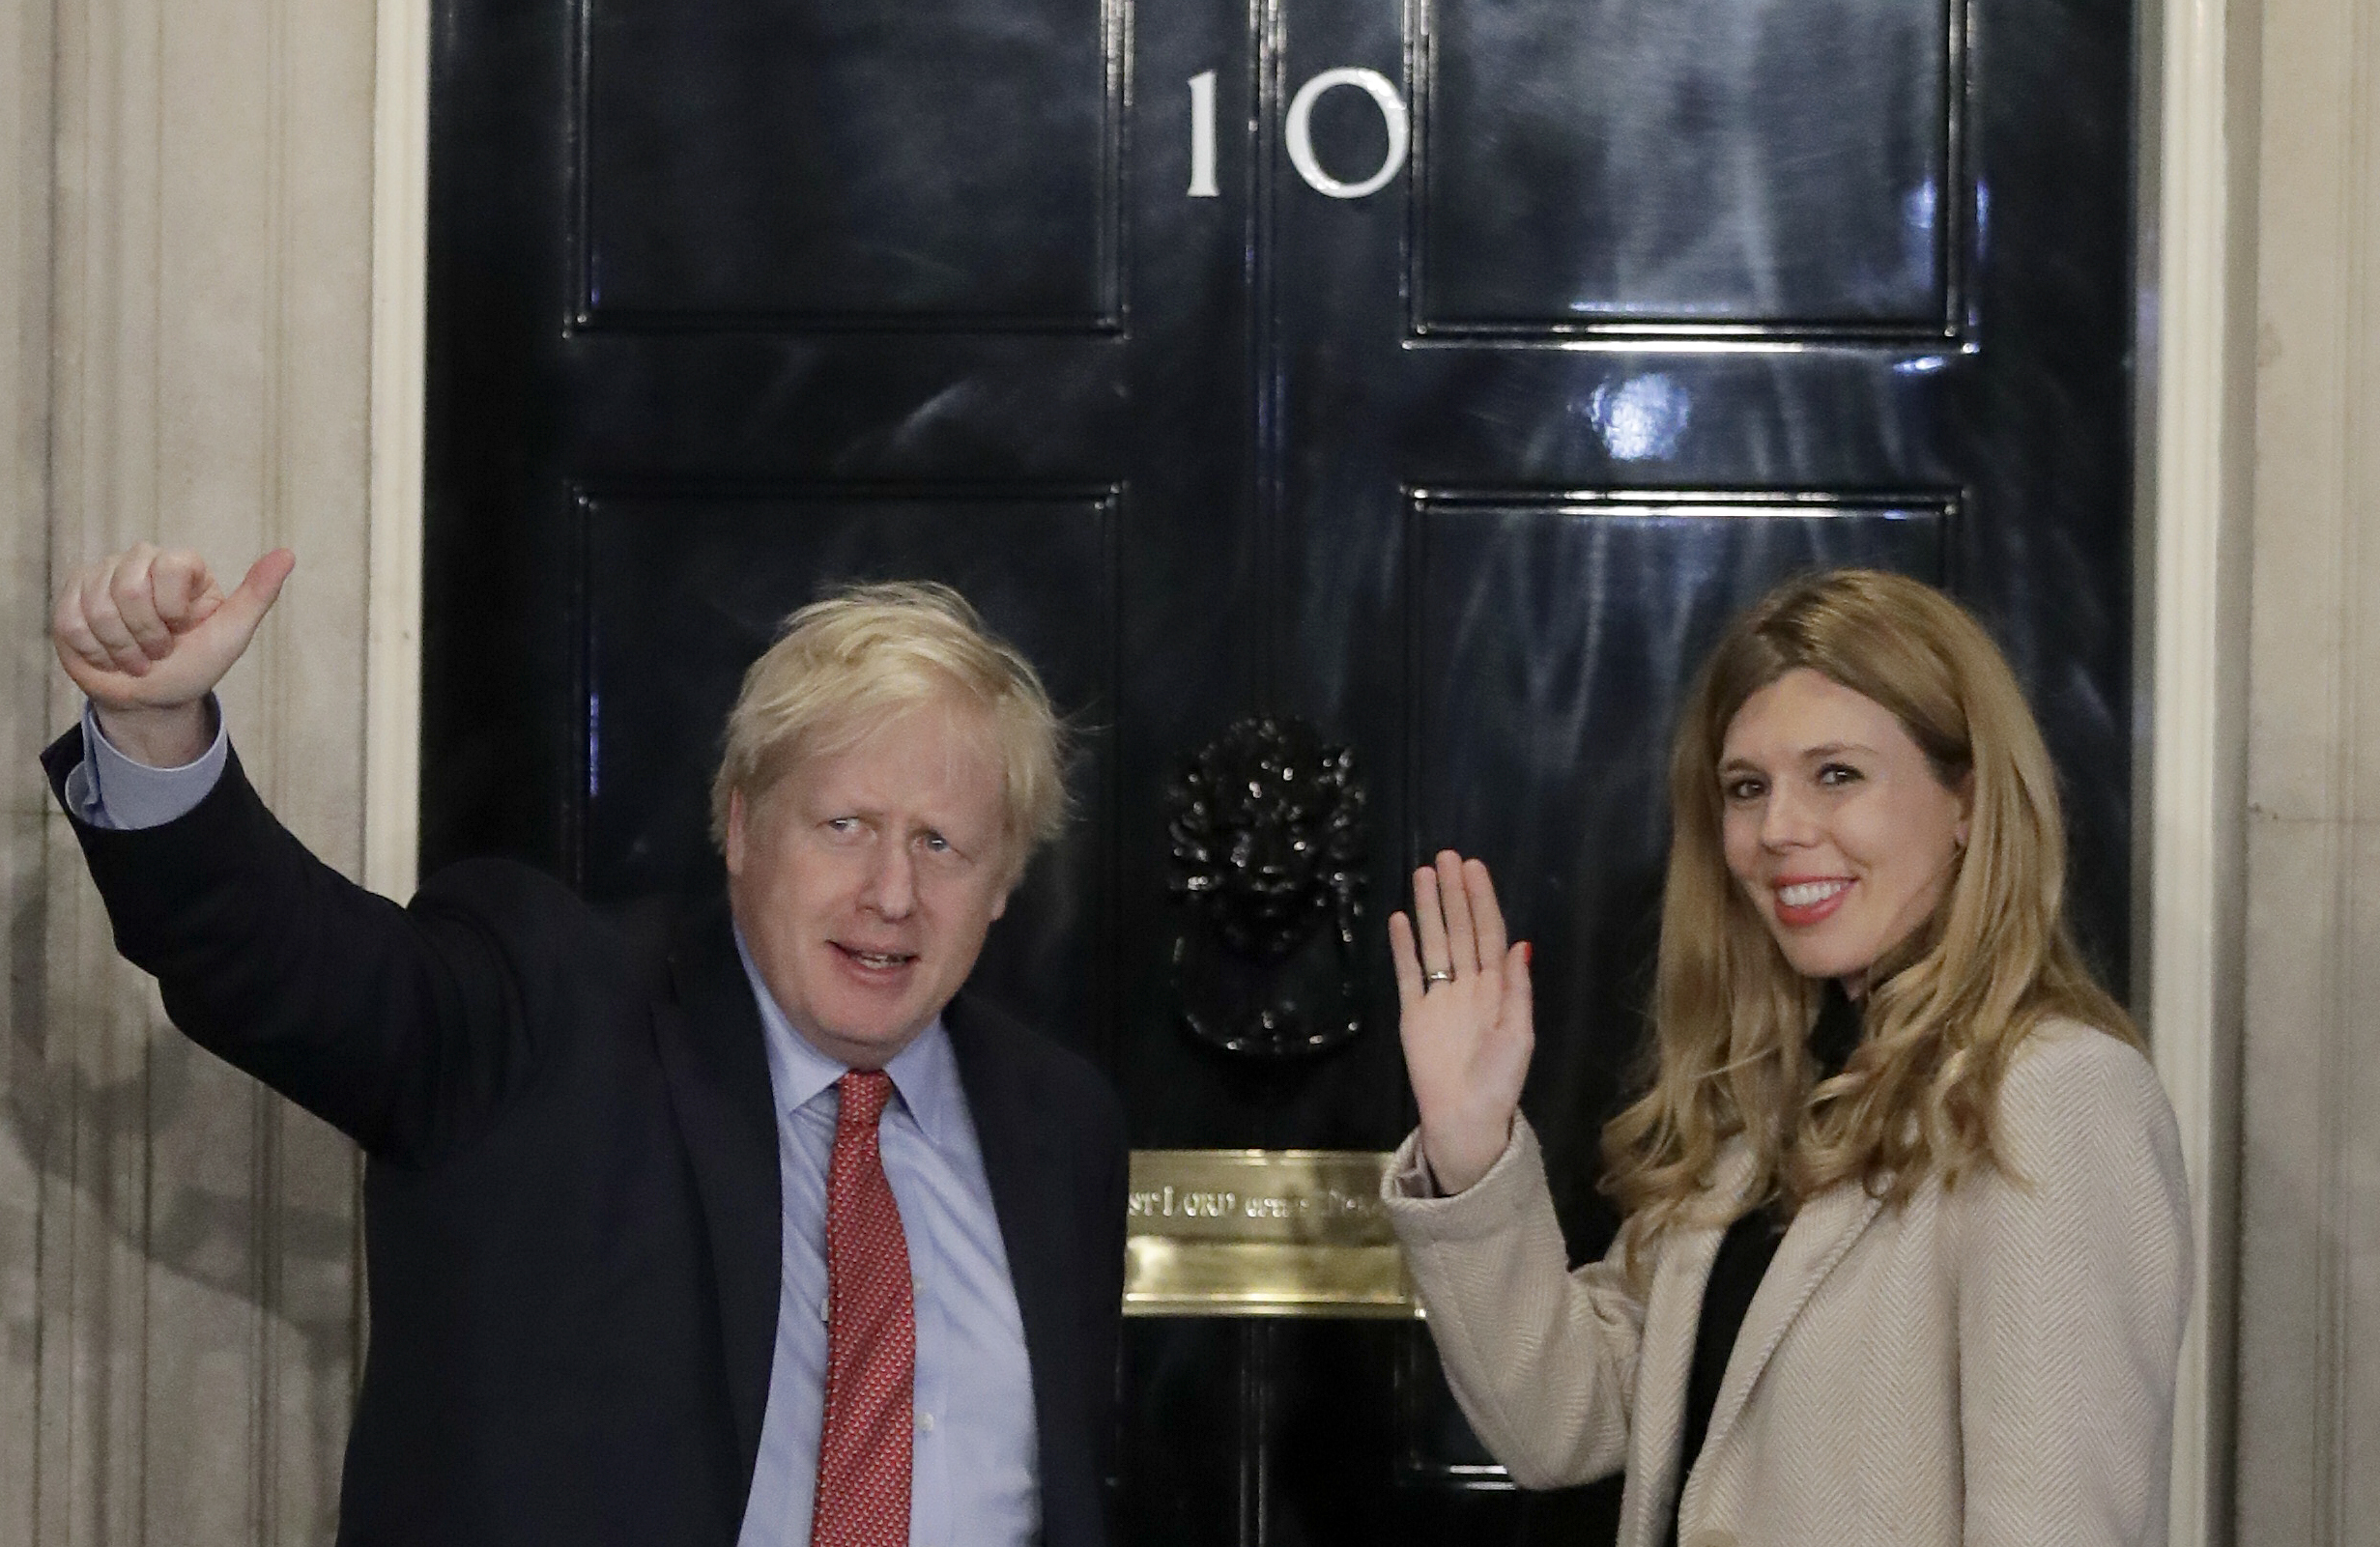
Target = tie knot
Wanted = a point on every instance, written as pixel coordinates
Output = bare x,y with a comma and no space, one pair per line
865,1093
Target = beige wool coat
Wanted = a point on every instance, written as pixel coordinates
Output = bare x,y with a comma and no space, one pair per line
1991,1365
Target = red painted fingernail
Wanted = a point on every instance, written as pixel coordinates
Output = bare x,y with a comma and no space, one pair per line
1529,952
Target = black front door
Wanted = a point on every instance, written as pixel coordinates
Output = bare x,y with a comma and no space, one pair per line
1434,375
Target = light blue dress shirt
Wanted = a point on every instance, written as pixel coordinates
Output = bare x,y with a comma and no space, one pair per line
974,1474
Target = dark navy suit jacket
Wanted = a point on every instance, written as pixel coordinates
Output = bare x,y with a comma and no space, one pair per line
571,1196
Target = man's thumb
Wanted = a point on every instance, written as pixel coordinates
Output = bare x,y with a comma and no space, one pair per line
246,608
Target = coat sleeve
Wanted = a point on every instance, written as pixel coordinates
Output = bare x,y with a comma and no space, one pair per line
1542,1359
2073,1284
405,1028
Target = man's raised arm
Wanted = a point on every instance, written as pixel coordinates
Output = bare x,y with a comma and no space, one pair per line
402,1027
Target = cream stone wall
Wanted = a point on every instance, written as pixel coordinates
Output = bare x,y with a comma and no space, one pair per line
185,231
24,691
2309,1250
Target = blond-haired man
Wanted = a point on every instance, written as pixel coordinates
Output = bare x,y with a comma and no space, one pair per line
742,1227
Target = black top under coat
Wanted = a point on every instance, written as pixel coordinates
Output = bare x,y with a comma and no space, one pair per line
1745,1252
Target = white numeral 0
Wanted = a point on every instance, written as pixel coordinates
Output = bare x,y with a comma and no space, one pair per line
1300,131
1392,107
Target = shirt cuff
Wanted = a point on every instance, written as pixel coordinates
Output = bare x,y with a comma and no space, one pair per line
110,790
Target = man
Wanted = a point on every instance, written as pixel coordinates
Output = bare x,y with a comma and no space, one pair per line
745,1228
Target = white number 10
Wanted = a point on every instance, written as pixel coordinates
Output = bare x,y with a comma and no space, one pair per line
1298,130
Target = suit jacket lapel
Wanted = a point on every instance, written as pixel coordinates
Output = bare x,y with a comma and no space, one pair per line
717,1068
1816,1240
1028,1194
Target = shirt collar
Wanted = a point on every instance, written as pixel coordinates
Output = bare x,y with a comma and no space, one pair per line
925,1074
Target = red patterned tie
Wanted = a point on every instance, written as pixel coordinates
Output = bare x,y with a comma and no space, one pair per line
863,1498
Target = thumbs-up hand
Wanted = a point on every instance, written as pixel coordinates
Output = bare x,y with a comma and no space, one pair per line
148,633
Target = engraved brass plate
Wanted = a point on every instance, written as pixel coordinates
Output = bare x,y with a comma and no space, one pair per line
1262,1233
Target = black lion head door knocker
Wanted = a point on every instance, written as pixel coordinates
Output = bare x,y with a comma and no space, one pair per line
1268,869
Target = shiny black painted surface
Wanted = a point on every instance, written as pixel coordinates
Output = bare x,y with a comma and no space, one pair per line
732,300
917,165
1690,162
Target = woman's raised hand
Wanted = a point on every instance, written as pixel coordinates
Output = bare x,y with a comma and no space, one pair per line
1464,1016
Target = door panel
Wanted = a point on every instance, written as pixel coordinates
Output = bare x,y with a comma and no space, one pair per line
1437,373
1697,162
1552,635
943,162
1306,1432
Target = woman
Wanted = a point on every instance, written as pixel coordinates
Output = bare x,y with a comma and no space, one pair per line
1905,1256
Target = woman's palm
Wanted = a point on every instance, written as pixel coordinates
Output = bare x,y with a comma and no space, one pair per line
1464,1017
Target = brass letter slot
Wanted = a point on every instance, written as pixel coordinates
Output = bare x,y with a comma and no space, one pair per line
1262,1233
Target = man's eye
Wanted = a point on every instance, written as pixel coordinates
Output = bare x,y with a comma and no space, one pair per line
937,843
842,826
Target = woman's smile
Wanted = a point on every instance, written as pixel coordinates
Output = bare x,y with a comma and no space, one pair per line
1804,903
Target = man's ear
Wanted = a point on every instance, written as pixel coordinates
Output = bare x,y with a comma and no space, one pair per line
736,832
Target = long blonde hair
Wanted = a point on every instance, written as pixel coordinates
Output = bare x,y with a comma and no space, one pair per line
1948,1006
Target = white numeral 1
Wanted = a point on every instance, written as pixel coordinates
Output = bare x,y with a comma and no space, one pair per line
1202,136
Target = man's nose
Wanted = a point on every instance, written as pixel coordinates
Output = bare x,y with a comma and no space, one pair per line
892,883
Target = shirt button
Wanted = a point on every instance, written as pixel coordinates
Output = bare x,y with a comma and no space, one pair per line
924,1423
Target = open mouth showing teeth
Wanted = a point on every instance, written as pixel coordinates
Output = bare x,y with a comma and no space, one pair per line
879,960
1808,894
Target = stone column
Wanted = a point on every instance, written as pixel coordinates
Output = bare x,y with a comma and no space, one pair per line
185,290
24,543
2310,1290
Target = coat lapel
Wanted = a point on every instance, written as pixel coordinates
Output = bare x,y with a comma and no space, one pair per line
715,1061
1816,1240
1665,1353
